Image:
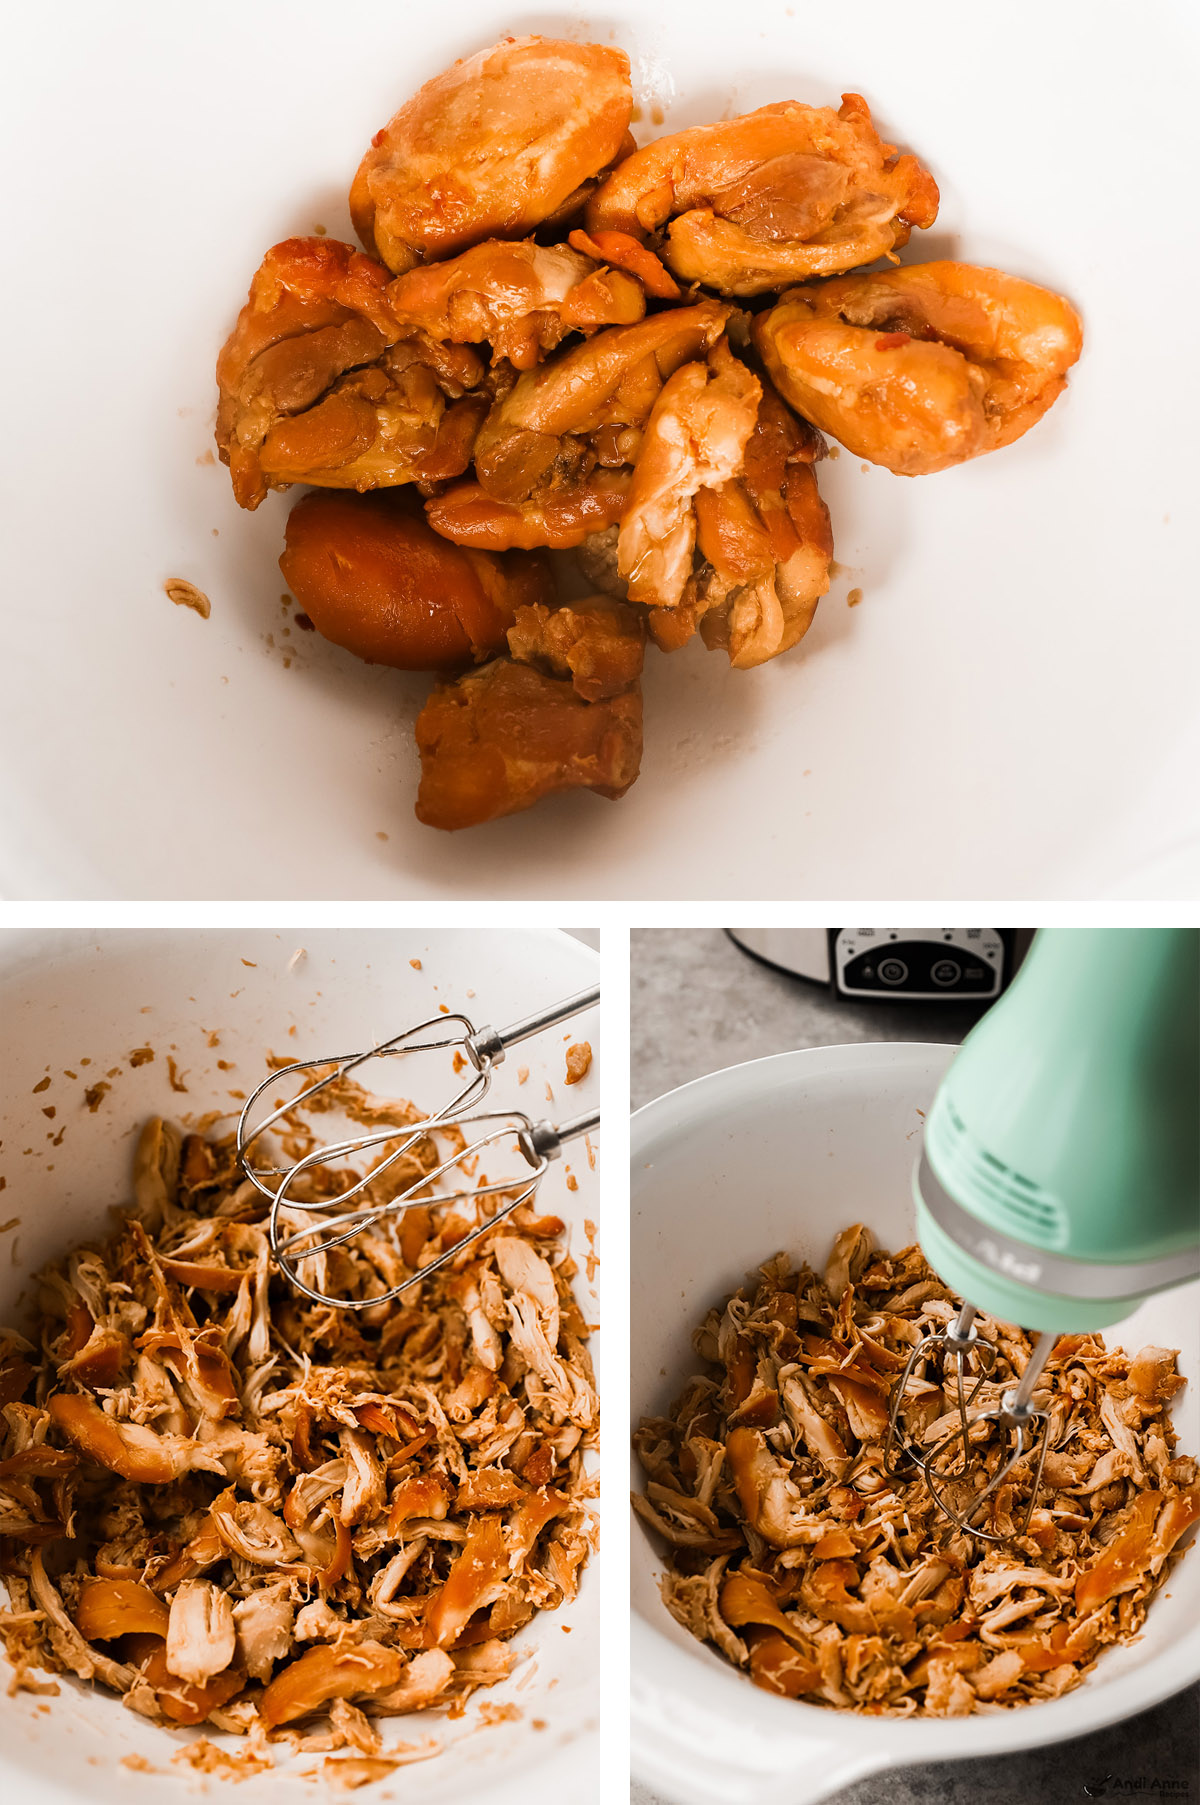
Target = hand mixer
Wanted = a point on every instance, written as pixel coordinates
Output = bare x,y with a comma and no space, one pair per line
1059,1182
480,1051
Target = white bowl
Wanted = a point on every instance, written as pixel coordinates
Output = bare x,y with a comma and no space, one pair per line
1004,714
67,998
779,1154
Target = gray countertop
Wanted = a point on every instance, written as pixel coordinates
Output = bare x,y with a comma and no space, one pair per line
699,1003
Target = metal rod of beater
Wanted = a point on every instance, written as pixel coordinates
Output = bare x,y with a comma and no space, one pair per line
493,1043
1016,1402
577,1125
959,1336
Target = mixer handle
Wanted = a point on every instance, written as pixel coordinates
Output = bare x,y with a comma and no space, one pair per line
489,1045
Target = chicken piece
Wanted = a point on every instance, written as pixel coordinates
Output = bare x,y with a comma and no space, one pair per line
319,383
1152,1375
492,147
524,1270
109,1608
768,1499
867,1414
251,1530
826,1593
809,1424
777,1666
695,438
1152,1526
355,1670
366,1489
425,1495
156,1170
528,1521
919,369
847,1259
765,543
477,1578
746,1599
764,549
597,644
159,1690
537,437
785,192
387,1582
201,1639
521,299
100,1360
317,1621
489,1488
623,250
485,1341
202,1372
498,739
562,518
264,1621
126,1448
422,1683
373,578
484,1664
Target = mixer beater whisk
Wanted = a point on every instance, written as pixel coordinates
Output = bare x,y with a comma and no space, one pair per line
305,1229
950,1457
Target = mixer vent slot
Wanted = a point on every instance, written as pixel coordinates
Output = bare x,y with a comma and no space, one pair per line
1017,1205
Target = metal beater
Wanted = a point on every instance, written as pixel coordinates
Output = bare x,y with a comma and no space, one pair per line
1014,1415
482,1049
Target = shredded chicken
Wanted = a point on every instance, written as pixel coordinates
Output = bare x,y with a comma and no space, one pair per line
245,1509
791,1549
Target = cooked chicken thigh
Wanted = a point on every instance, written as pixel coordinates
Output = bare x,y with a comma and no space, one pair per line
751,204
319,382
920,368
490,148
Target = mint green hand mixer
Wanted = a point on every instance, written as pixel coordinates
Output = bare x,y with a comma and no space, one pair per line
1059,1183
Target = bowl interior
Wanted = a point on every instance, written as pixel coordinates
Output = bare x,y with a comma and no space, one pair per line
780,1154
72,1008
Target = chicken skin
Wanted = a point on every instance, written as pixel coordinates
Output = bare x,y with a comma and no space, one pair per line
502,737
536,438
372,577
781,194
521,299
627,252
919,369
564,518
319,383
495,145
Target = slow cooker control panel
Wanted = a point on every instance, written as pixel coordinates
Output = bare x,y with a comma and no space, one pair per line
918,964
